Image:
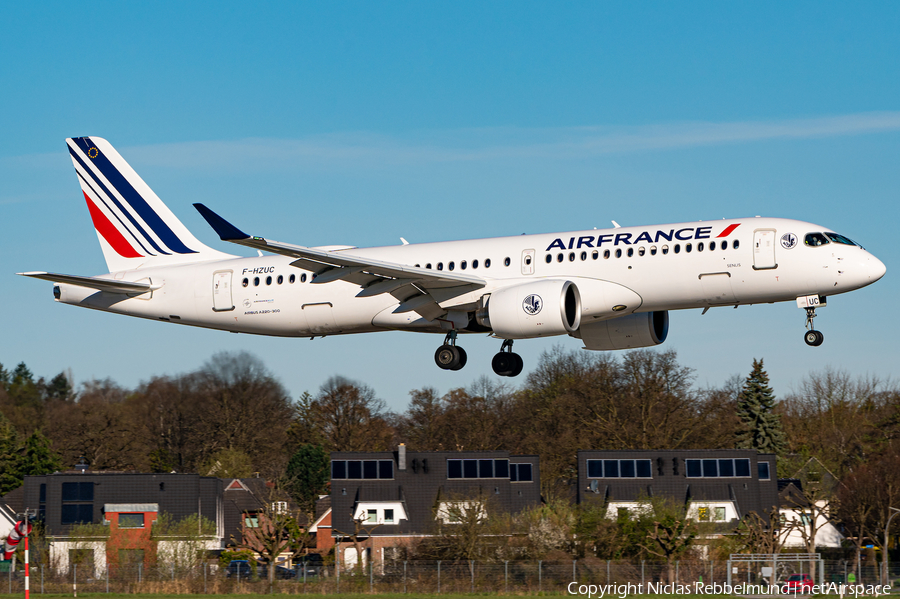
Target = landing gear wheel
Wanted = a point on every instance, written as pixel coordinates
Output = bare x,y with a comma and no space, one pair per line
518,365
463,358
814,338
503,363
448,357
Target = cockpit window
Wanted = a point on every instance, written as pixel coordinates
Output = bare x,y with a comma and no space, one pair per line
839,239
815,239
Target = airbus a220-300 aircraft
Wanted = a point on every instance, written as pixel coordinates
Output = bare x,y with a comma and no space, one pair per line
610,288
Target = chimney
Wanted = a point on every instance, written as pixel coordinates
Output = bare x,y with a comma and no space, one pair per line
401,457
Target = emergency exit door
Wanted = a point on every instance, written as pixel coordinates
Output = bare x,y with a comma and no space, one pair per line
764,249
222,301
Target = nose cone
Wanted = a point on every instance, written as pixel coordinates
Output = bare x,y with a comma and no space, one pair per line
876,268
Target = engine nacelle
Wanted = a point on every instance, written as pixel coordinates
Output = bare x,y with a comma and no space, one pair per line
535,309
627,332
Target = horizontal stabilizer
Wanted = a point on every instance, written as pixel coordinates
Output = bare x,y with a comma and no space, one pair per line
109,285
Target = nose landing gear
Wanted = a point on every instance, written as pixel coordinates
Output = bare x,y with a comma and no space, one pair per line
506,362
449,356
812,337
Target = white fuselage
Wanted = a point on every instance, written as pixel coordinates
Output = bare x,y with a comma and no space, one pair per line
664,267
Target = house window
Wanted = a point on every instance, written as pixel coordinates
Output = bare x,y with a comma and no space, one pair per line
388,516
619,469
251,521
453,512
520,473
371,516
279,507
77,503
362,469
703,514
484,468
763,470
720,514
131,520
728,468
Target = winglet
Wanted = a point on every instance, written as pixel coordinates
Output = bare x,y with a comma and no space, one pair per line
225,230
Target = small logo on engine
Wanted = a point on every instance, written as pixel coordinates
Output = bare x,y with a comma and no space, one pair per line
788,241
532,304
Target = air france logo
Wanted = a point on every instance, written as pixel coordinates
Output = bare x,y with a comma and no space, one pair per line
788,241
532,304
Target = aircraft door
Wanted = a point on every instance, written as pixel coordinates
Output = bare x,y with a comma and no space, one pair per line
528,262
764,249
222,301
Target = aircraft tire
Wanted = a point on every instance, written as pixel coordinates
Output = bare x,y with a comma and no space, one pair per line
813,338
463,358
518,365
502,363
447,357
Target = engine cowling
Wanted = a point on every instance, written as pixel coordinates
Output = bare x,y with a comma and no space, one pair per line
541,308
626,332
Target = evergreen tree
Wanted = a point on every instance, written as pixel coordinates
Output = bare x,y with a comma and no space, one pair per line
307,476
4,377
760,426
59,387
10,460
38,457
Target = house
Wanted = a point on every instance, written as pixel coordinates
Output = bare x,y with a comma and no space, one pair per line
321,526
390,498
719,486
129,504
808,514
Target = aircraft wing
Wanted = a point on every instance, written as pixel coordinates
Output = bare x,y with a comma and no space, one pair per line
109,285
409,284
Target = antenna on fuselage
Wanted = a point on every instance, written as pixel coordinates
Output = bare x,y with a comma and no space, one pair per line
616,225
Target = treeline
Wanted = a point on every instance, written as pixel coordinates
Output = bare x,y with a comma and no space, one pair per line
233,418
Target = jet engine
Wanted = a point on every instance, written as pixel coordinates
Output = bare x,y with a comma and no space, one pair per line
542,308
626,332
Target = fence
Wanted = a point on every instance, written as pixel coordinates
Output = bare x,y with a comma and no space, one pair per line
412,577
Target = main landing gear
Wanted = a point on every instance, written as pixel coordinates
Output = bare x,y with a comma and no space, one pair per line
812,337
506,362
449,356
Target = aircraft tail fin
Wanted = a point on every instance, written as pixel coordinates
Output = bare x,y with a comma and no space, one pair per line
135,229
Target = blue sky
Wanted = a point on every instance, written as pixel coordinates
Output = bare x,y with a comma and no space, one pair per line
358,123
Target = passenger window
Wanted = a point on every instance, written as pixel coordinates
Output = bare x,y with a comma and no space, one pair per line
291,279
606,254
549,259
724,245
665,249
677,248
440,266
246,282
302,278
815,239
618,253
641,251
583,256
595,254
559,257
428,266
462,265
506,262
474,263
256,281
268,280
712,245
571,256
652,250
735,244
451,266
700,247
280,279
688,247
487,262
